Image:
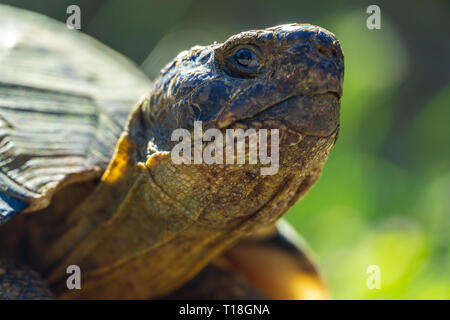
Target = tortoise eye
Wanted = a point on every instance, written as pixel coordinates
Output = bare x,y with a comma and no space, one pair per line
245,61
246,58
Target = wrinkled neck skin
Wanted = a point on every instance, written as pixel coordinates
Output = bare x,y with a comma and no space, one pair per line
151,225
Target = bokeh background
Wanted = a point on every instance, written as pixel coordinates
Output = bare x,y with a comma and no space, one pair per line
383,198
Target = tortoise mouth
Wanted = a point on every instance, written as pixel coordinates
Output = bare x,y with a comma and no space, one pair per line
334,93
310,115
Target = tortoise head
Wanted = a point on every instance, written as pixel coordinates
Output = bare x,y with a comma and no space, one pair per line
292,74
176,216
287,78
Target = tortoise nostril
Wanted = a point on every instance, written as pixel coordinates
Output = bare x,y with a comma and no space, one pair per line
328,52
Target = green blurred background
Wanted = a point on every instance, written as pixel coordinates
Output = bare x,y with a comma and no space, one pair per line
383,198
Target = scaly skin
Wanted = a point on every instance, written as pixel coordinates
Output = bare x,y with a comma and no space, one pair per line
18,282
152,225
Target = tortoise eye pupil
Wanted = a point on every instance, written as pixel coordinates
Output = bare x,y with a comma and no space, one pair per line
247,58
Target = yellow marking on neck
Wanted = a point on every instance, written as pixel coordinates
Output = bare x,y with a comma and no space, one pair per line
156,159
118,166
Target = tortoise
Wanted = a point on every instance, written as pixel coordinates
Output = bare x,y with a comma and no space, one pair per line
87,176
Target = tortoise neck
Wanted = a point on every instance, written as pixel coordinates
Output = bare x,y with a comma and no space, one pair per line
131,230
70,228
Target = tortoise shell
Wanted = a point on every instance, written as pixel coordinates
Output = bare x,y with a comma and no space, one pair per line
64,100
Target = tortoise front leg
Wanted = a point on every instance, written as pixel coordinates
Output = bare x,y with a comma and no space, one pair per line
18,282
216,283
271,264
